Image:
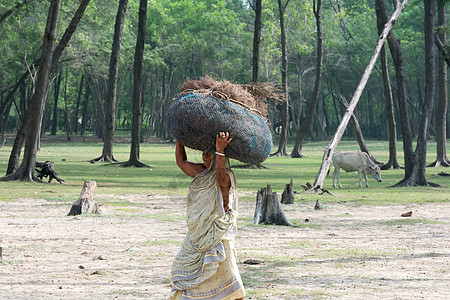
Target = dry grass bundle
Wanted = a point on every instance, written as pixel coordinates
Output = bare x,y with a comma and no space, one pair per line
250,96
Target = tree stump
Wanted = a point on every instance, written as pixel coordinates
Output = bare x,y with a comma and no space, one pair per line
85,203
288,194
268,208
47,170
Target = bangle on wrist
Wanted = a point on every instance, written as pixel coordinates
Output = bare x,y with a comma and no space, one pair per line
221,154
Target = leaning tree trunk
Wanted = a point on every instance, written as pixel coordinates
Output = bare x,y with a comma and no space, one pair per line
137,90
389,102
416,177
305,126
27,168
111,91
441,112
328,153
284,68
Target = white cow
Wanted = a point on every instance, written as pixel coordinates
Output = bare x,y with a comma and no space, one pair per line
351,161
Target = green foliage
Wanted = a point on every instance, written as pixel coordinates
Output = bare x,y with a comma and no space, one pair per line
192,38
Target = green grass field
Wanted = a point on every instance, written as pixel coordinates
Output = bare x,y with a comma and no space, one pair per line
358,246
164,177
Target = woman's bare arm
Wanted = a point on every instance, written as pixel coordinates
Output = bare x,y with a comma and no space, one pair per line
222,178
189,168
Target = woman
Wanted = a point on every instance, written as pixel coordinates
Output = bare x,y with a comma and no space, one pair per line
205,267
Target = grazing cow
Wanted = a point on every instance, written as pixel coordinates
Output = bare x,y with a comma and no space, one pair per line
351,161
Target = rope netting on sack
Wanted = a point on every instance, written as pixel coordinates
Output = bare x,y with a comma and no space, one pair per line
202,110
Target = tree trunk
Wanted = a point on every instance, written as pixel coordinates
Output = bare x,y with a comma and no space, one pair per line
256,40
3,123
85,203
137,90
77,108
306,124
55,104
87,93
389,102
396,53
268,208
416,176
35,111
23,100
284,68
66,108
111,90
369,117
328,153
441,113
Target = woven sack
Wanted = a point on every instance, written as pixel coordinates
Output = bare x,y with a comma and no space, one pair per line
196,119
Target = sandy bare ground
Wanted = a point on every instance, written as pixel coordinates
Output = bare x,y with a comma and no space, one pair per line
342,252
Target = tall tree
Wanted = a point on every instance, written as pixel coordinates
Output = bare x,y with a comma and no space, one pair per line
27,168
111,88
55,103
87,94
256,39
77,107
441,112
137,89
305,126
284,85
415,174
14,157
387,91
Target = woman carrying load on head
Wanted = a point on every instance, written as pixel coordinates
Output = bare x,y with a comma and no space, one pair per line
205,267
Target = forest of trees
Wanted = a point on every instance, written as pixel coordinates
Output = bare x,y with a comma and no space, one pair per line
193,38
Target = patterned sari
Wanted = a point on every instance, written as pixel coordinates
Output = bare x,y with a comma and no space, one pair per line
205,267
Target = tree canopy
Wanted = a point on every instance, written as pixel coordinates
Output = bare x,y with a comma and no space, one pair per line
189,39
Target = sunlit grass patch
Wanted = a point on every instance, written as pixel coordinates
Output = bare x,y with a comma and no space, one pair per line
13,262
24,247
302,224
122,203
264,293
299,244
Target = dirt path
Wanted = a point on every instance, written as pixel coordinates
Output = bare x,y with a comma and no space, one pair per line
341,252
